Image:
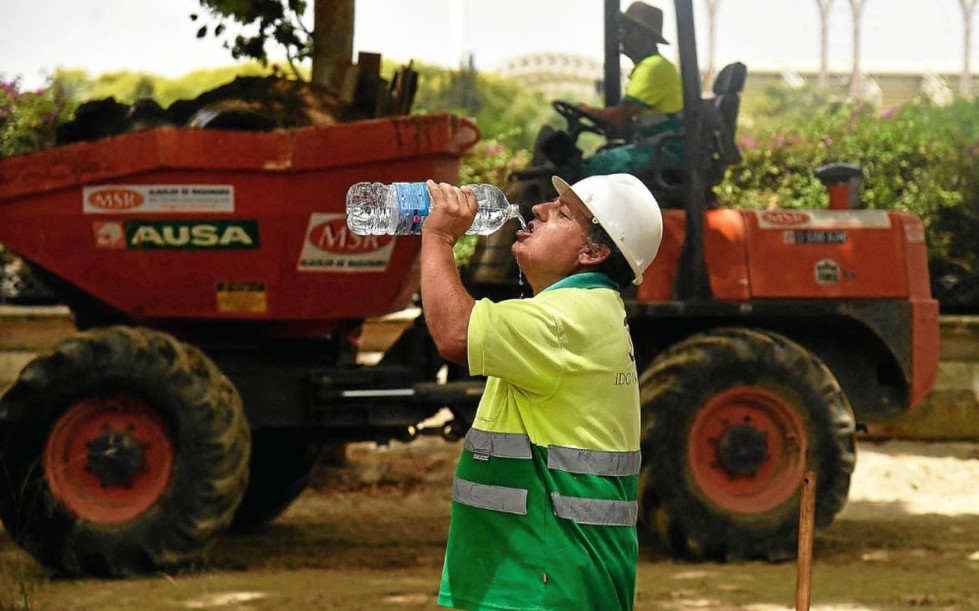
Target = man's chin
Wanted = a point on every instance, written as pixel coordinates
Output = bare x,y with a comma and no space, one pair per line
516,249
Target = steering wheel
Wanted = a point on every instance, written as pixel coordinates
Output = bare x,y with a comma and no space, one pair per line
578,120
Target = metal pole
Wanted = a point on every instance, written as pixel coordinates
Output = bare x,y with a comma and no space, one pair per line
692,281
807,521
612,86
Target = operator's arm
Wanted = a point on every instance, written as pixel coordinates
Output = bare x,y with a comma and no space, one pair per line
445,302
654,86
618,116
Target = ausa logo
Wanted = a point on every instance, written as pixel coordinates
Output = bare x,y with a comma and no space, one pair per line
192,235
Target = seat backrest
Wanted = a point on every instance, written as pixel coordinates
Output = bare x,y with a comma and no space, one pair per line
721,119
727,92
730,79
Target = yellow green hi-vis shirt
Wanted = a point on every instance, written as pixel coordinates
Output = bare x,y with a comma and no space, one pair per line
655,84
544,496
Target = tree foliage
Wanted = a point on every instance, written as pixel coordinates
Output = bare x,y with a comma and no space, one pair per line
262,23
504,110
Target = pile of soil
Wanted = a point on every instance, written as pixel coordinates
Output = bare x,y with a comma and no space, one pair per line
247,103
290,103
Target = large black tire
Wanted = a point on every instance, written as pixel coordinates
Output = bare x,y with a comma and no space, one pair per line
122,451
281,467
732,420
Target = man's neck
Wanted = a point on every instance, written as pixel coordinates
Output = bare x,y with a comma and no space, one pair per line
640,54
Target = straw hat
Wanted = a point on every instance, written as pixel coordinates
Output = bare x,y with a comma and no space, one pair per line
646,16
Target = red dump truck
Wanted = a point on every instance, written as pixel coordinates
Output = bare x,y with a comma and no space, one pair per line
220,300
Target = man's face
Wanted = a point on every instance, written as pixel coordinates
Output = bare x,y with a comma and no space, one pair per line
632,38
552,245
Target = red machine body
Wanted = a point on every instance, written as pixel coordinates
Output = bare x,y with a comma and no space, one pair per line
788,254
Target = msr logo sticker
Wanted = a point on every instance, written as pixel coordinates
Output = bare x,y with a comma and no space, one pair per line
782,218
831,220
192,235
114,199
149,199
330,246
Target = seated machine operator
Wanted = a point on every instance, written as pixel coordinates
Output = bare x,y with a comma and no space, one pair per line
652,102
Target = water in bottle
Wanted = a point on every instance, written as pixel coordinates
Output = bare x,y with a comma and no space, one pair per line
400,208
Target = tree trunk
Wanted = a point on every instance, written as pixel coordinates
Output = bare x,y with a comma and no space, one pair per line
856,77
333,42
965,79
711,43
824,6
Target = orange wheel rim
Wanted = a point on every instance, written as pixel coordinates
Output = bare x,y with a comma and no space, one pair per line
108,459
747,450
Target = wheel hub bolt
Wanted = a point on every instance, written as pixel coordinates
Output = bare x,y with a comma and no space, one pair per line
742,450
114,458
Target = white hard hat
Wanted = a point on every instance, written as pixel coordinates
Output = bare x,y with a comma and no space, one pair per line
626,210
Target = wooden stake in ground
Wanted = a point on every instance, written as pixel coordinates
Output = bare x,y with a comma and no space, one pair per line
807,521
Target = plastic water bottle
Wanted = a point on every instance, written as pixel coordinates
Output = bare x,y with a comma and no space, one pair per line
400,208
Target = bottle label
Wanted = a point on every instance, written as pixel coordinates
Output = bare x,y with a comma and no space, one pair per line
413,204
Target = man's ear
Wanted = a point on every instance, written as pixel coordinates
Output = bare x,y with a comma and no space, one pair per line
594,254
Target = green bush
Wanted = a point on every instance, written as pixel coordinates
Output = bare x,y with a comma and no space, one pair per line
912,160
490,162
918,158
29,119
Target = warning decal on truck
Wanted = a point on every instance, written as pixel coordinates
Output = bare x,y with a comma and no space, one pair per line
822,219
329,246
140,199
247,297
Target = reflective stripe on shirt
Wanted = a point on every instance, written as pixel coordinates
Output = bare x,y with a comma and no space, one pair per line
595,511
488,444
593,462
503,445
496,498
573,460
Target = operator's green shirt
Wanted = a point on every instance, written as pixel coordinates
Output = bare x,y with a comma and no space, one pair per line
544,497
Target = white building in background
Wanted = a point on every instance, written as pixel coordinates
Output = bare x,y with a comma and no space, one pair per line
562,76
558,75
936,89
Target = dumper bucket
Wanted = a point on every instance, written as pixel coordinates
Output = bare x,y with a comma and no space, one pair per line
177,224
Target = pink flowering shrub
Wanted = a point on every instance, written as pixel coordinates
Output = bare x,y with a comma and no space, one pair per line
29,119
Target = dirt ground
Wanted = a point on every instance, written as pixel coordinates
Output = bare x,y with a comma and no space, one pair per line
370,536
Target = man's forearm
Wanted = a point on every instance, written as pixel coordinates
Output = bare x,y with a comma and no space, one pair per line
445,302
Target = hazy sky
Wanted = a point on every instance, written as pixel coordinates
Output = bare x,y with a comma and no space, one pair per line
157,36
